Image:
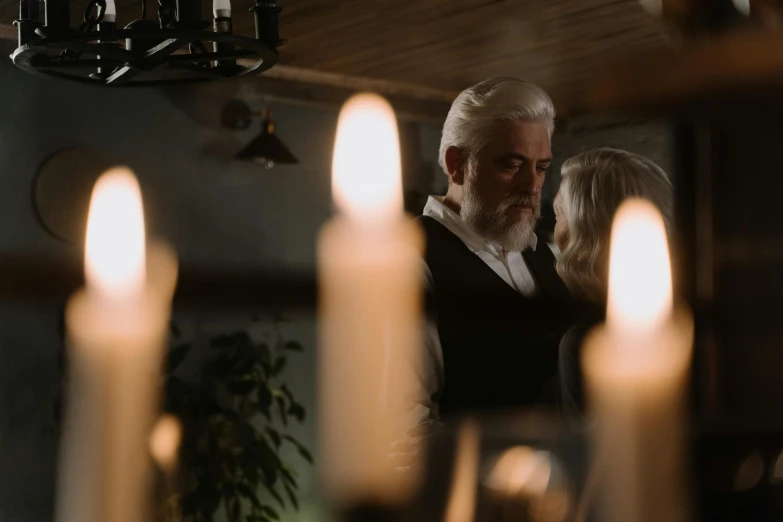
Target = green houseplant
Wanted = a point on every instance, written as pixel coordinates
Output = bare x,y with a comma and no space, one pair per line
235,427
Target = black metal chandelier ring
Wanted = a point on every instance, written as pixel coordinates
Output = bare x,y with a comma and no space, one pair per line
125,67
178,47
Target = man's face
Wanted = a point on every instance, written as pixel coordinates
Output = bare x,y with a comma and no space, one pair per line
502,191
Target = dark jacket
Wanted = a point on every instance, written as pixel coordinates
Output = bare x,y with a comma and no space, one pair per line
572,393
499,347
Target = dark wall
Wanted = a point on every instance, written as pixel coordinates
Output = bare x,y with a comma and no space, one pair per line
214,211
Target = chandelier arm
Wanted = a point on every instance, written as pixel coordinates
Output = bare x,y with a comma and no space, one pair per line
103,49
90,21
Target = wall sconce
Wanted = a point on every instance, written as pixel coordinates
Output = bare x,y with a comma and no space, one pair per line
266,148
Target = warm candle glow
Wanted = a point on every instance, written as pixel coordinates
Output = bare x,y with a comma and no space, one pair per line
521,469
640,280
461,506
164,442
366,179
115,246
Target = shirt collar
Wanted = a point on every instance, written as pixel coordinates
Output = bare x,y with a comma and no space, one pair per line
436,209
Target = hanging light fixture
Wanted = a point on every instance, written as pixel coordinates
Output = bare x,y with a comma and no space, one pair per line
266,148
170,49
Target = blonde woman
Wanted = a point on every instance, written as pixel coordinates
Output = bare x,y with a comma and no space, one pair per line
594,184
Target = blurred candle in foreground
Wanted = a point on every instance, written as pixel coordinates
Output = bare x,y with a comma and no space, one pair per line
461,506
165,441
370,309
117,329
636,369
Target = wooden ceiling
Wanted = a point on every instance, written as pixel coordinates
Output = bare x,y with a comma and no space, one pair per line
451,44
443,46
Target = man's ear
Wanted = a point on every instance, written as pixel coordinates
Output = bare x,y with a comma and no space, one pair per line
456,164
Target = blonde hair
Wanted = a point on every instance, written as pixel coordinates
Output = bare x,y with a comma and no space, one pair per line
478,109
594,184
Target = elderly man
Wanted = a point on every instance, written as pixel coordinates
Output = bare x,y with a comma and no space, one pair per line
497,306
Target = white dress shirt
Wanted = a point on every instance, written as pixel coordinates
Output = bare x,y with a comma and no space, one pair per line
422,402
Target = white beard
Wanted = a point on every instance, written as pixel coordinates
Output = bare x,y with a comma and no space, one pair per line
495,225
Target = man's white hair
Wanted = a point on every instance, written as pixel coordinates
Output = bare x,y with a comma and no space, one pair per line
477,111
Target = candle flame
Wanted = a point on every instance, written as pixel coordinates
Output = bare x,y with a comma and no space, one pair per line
115,245
165,440
640,280
366,179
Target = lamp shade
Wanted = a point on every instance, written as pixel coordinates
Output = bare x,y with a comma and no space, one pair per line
266,148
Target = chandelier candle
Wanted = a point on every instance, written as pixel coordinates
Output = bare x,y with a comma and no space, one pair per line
117,330
370,274
636,369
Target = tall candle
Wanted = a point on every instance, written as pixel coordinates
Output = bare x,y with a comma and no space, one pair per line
370,308
117,329
636,370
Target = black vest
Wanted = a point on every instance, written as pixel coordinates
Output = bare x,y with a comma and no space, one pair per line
500,349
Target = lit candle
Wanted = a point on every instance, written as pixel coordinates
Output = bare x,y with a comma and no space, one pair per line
165,441
117,330
636,370
370,308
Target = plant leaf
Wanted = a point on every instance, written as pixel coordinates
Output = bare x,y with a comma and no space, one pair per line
241,386
274,435
247,492
265,358
264,400
287,392
292,496
288,477
272,491
234,509
219,366
280,363
293,346
249,468
271,513
297,411
267,459
282,410
300,448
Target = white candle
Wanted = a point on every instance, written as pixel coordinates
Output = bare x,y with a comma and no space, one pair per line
636,370
117,330
370,308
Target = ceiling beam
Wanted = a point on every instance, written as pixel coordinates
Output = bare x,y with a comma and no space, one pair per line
320,95
360,83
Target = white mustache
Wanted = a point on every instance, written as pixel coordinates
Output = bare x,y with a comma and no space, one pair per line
525,201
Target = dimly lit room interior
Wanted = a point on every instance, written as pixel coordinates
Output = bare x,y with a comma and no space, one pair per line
243,267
